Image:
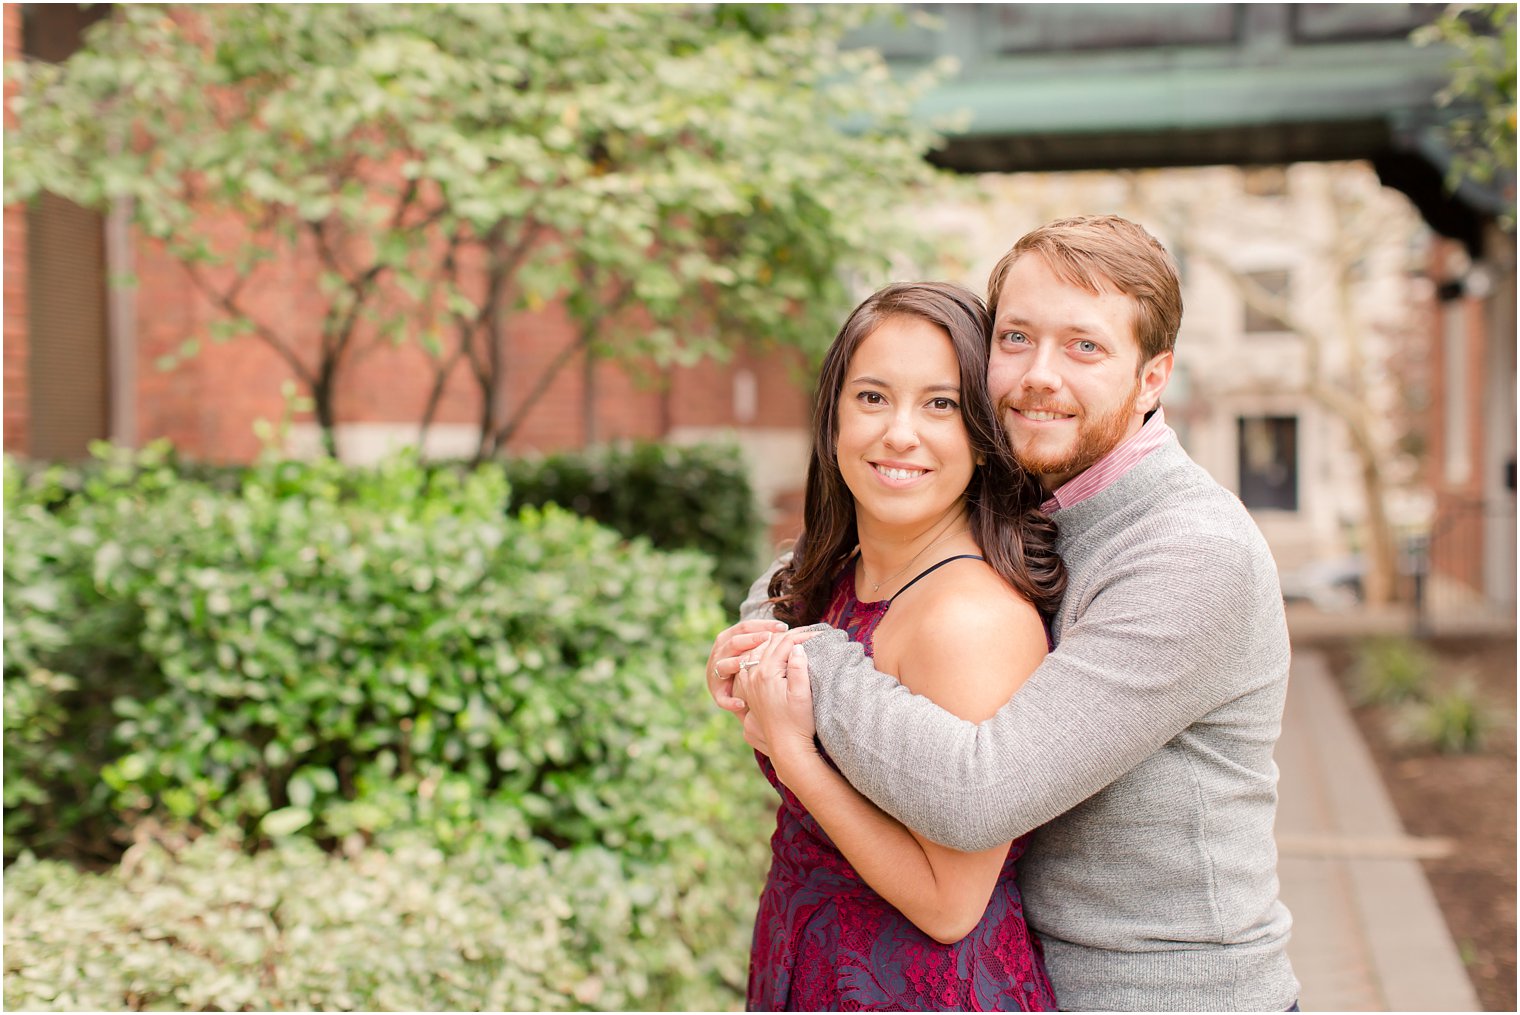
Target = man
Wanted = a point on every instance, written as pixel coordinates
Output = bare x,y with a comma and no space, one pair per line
1141,748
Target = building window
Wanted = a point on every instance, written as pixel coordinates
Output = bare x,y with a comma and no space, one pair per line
1257,319
1268,455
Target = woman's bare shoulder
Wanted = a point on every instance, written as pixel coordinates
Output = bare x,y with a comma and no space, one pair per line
971,596
969,641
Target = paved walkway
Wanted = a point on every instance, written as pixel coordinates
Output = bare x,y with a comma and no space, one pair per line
1367,933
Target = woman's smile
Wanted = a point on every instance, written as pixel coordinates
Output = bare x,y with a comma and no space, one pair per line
899,475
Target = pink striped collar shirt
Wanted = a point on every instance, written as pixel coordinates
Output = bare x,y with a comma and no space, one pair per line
1101,474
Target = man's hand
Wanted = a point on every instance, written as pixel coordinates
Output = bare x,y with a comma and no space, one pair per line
723,661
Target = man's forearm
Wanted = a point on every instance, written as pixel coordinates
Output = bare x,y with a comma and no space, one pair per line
971,786
899,749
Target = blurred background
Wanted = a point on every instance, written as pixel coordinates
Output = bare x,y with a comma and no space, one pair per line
312,312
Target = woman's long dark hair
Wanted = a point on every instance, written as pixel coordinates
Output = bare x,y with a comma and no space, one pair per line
1002,499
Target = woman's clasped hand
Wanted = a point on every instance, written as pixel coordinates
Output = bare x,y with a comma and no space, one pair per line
772,683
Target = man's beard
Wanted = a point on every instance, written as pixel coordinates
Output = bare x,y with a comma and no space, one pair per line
1095,438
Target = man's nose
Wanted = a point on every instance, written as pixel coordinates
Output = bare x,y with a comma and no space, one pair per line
1042,374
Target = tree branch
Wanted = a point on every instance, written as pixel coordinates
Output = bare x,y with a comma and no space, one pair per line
228,306
583,342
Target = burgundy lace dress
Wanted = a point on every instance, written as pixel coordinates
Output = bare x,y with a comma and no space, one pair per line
825,941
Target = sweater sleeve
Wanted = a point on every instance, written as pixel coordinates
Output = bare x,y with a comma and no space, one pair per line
1162,640
756,605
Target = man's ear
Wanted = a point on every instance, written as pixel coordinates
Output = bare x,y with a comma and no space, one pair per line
1153,378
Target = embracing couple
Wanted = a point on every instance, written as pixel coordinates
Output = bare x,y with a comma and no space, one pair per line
1051,643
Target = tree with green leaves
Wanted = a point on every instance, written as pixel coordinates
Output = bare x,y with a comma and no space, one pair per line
1481,94
681,179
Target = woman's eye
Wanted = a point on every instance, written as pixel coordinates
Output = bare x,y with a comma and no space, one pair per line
944,404
871,397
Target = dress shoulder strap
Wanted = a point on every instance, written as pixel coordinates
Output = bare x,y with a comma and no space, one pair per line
935,567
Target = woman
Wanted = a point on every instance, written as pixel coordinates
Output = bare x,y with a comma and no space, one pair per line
924,543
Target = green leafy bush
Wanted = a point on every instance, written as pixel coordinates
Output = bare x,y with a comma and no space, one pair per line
1453,720
69,652
364,657
35,714
1433,712
112,472
336,652
696,497
207,927
1392,670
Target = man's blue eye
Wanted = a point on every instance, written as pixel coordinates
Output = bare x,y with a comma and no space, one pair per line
1088,346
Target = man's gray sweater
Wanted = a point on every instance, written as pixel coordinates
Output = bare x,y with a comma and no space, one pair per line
1140,750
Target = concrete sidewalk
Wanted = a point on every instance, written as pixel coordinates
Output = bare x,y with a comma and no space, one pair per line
1367,933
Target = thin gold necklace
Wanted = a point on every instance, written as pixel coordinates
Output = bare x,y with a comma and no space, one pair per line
876,586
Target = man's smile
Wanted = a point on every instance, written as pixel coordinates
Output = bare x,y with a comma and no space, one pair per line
1041,415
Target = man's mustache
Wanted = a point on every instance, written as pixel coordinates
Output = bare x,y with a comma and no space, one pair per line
1027,407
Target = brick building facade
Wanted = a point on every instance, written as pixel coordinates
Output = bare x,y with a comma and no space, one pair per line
1471,423
207,404
17,406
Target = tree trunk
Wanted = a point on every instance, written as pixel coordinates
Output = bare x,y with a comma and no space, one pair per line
1380,553
588,399
322,404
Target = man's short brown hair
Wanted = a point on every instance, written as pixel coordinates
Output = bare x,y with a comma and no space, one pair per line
1097,252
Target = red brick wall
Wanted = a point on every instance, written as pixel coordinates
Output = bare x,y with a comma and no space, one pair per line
704,395
207,404
17,436
1457,531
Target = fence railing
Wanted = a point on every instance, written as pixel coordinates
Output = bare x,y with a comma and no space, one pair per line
1464,569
